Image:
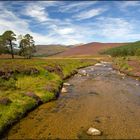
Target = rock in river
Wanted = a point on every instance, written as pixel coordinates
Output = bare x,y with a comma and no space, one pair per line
93,131
98,64
83,73
66,84
64,90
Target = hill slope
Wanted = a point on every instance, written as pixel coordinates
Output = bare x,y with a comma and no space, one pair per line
47,50
130,49
89,49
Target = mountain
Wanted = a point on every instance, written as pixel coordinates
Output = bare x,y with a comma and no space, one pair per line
47,50
89,49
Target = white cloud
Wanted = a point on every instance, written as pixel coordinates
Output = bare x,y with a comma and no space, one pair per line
125,4
89,13
75,6
66,31
36,11
9,21
116,29
59,33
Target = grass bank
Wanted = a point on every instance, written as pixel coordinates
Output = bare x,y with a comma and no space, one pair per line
25,84
129,65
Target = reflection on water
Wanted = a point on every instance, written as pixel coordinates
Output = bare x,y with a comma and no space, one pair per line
104,99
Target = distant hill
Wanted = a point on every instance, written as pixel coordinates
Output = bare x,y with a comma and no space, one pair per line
47,50
89,49
130,49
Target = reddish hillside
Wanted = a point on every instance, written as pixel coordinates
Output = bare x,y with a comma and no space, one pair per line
89,49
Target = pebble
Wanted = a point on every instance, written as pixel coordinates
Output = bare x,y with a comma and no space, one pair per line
93,131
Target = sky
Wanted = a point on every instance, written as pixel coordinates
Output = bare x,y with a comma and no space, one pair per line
72,22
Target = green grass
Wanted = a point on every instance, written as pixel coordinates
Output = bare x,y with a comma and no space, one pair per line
131,49
21,81
122,63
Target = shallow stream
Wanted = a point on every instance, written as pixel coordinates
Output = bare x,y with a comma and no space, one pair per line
102,98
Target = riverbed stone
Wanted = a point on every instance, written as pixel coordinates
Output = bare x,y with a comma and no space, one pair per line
66,84
98,64
93,132
64,90
110,69
83,73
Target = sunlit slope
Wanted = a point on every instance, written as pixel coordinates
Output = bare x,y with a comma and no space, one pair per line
88,49
47,50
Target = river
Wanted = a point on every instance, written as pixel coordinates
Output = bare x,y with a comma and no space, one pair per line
104,99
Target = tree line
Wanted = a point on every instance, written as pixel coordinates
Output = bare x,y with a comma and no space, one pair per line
26,46
130,49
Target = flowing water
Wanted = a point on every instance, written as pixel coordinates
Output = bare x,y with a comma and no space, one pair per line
103,99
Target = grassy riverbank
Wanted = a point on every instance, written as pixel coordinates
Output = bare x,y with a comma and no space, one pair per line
24,84
126,58
128,64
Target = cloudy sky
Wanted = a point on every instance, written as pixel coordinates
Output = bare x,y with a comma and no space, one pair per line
69,22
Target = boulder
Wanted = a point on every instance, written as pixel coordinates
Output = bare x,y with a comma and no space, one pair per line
98,64
93,131
64,90
83,73
66,84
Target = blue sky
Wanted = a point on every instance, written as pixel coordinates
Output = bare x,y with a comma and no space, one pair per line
72,22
